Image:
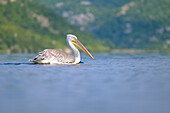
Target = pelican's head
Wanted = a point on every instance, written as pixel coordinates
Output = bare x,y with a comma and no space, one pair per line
76,42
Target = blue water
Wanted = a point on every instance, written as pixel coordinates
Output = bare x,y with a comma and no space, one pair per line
112,83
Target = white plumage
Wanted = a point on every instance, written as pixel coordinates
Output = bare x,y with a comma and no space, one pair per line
52,56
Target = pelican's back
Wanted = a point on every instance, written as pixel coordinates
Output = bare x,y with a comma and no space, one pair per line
53,56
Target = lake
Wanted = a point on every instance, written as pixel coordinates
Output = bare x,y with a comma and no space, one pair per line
112,83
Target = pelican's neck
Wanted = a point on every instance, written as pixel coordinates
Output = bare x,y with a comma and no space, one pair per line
75,50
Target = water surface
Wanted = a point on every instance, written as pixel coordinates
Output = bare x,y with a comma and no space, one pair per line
112,83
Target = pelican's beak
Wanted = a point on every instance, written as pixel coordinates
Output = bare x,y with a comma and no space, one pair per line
80,45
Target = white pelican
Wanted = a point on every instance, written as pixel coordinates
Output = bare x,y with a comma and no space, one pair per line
54,56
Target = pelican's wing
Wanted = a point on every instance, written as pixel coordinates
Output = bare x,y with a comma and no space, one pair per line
53,56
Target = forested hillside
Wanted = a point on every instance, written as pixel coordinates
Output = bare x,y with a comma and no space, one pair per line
26,26
83,12
139,24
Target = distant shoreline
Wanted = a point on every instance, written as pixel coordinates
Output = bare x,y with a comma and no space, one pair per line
116,51
126,51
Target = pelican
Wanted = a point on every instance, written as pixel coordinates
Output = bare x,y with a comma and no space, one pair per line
54,56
